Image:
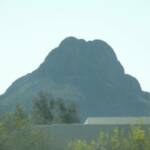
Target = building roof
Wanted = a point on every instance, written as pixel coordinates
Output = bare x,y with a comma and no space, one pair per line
117,120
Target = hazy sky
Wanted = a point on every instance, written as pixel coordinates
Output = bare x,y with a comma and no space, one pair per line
29,29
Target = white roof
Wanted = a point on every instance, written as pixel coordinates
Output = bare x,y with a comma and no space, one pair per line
117,120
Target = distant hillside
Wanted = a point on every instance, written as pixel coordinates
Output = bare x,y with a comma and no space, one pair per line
87,72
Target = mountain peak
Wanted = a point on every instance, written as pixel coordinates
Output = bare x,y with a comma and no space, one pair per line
99,47
71,41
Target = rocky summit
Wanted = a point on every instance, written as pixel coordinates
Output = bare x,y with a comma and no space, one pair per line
86,72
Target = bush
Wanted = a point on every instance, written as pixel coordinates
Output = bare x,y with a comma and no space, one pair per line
133,138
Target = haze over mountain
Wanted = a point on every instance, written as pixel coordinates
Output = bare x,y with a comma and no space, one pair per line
87,72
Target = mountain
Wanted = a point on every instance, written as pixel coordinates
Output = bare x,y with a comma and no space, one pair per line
87,72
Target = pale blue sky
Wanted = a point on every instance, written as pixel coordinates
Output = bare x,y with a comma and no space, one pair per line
29,29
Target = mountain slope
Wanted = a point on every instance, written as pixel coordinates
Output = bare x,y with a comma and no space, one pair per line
87,72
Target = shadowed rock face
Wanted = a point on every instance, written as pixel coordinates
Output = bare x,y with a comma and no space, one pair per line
88,73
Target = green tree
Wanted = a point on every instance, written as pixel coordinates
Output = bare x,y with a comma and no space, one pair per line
41,109
48,110
68,113
20,117
10,122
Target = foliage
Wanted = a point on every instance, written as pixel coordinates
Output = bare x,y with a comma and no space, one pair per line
48,110
79,145
17,133
19,130
10,123
42,113
132,138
